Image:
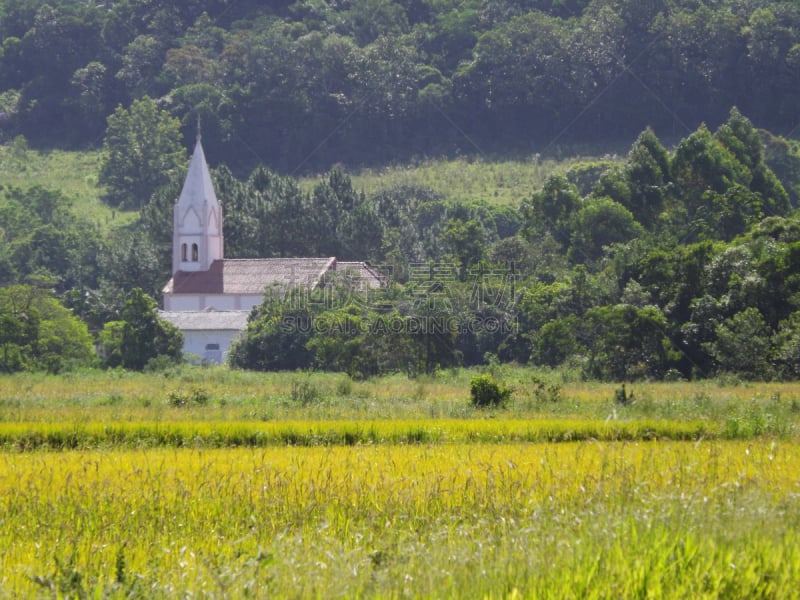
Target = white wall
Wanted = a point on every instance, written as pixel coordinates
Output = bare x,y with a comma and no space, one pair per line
181,302
195,342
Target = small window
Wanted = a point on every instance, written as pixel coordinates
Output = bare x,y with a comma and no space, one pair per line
194,253
212,346
183,253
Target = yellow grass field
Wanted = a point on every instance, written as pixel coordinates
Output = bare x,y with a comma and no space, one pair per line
591,519
213,483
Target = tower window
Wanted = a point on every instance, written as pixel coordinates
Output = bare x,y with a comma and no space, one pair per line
194,253
183,253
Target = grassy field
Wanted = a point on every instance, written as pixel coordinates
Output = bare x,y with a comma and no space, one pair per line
506,182
223,484
72,173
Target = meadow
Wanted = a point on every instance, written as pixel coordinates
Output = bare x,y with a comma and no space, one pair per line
503,182
462,179
72,173
207,482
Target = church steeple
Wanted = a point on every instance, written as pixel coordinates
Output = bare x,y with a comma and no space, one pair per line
197,231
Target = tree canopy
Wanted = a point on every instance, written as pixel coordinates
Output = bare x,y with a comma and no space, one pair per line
141,153
302,85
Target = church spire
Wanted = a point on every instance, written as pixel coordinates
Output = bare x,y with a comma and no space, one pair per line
197,235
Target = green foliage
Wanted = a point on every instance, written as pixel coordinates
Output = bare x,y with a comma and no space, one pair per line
743,345
306,84
38,333
485,392
556,341
275,338
627,342
598,224
188,398
622,396
304,392
546,392
141,152
553,209
139,336
41,237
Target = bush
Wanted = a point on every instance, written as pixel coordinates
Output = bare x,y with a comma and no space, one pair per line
486,392
196,397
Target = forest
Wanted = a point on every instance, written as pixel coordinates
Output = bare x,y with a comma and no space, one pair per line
301,85
679,259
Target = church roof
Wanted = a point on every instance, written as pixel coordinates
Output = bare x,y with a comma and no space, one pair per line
371,277
251,276
206,320
197,187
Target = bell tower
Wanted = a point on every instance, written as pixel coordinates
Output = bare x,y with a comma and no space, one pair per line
197,228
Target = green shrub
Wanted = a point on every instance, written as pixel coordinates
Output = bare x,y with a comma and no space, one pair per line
486,392
305,392
196,396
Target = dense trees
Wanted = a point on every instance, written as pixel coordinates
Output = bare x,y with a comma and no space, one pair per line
667,263
37,332
40,237
142,151
305,84
140,336
671,264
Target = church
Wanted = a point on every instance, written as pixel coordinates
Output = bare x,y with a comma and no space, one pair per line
209,296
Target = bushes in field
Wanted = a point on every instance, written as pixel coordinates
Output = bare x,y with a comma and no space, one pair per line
485,392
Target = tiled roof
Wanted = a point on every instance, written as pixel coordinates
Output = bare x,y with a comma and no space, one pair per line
207,320
371,277
251,276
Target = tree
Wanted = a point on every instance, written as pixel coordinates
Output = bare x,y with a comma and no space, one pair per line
140,336
552,209
598,224
626,342
142,152
132,260
276,337
702,163
744,345
37,332
648,175
466,241
556,341
43,236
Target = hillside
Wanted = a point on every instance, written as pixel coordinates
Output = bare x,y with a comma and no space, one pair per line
73,173
500,182
300,86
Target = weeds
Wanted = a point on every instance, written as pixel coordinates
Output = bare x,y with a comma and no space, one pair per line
304,392
421,519
544,392
193,397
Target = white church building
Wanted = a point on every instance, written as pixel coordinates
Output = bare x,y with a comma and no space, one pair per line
209,296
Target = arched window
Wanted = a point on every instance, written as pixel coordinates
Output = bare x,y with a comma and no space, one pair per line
194,253
183,253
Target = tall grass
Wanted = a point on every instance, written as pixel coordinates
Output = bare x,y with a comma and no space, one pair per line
70,172
218,483
734,411
501,181
712,519
27,437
